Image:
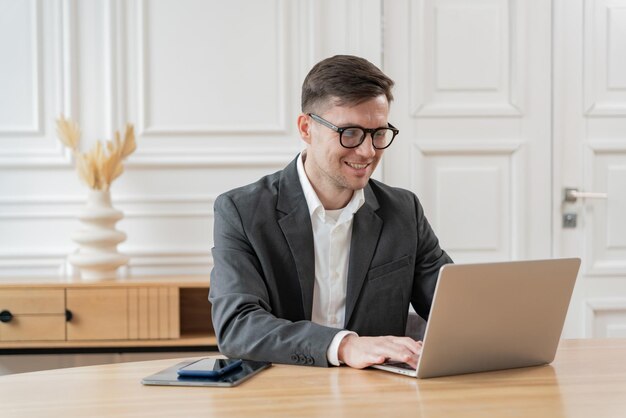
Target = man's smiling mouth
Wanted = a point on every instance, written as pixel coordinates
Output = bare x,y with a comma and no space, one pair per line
357,166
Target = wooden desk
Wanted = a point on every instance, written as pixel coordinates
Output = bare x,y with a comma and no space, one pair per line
587,379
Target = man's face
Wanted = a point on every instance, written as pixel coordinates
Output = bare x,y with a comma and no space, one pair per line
333,170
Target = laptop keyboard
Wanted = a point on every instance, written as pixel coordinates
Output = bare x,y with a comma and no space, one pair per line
399,365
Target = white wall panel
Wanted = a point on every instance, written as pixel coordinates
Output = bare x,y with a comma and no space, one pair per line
207,67
161,230
95,56
213,94
212,87
617,45
468,36
604,129
606,318
604,57
337,26
475,225
31,82
469,199
604,222
616,207
21,98
37,233
185,233
466,58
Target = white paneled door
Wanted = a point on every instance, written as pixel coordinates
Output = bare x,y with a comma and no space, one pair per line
590,144
501,104
473,108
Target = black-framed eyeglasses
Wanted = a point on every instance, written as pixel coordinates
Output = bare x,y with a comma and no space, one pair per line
353,136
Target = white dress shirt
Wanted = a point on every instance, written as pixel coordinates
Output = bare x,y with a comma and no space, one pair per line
332,232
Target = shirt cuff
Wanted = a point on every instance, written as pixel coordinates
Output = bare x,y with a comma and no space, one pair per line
332,354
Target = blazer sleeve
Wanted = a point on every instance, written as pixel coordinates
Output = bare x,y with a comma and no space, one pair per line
429,258
241,310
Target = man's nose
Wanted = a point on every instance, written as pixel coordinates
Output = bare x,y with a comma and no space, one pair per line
366,148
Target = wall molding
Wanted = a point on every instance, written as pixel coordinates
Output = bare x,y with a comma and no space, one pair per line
606,268
607,146
606,262
67,66
203,157
446,146
51,262
423,104
36,80
145,128
60,20
599,99
594,307
58,157
69,206
513,150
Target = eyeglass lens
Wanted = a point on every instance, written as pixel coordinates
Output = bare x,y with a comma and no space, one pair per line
353,137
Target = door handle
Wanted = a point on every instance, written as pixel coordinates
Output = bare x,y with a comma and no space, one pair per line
571,194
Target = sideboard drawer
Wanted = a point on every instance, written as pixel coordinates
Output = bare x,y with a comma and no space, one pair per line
33,328
32,301
32,314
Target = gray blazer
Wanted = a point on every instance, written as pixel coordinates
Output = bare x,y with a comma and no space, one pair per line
264,269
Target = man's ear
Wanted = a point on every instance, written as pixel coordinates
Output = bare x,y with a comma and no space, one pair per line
304,127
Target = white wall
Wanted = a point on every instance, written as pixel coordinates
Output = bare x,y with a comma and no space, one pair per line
213,88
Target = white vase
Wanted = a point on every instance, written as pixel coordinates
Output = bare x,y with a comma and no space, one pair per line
97,257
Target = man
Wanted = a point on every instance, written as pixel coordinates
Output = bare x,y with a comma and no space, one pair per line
317,264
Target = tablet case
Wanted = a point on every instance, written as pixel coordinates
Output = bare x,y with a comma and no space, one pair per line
170,377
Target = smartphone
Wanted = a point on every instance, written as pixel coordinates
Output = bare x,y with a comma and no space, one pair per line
209,367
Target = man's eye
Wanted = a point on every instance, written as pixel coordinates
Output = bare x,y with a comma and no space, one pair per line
351,133
379,134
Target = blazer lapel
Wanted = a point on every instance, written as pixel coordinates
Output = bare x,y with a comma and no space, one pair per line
297,229
366,228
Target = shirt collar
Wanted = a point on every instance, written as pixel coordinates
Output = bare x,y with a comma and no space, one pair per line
315,205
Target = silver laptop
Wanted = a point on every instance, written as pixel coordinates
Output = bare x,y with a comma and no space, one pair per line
494,316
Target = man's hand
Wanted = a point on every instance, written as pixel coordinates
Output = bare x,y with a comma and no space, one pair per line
361,352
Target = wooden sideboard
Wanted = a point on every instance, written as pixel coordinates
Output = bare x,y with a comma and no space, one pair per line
57,313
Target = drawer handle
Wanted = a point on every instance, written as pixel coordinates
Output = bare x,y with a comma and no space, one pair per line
68,315
6,316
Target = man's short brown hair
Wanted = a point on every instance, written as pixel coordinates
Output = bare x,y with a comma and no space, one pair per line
347,79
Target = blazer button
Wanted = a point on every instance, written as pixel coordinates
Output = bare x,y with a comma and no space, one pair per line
302,359
294,358
310,361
